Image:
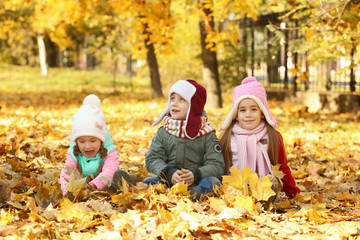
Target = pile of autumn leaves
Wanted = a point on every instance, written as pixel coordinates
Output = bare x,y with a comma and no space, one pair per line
33,147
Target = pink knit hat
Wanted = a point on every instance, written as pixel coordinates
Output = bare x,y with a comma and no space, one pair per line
249,88
195,95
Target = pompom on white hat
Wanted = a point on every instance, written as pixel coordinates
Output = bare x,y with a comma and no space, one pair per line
195,95
249,88
89,120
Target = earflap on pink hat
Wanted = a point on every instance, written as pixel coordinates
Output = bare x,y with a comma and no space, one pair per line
249,88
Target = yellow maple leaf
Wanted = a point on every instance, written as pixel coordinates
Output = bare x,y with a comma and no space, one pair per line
239,179
75,185
75,211
179,188
261,190
247,203
277,172
299,174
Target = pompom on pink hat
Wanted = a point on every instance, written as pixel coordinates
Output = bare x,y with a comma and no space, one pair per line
249,88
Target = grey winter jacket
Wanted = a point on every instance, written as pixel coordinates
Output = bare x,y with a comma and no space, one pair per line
168,153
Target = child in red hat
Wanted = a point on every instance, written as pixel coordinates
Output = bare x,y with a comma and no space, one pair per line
186,148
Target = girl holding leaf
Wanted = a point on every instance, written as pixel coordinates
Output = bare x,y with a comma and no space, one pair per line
92,154
249,138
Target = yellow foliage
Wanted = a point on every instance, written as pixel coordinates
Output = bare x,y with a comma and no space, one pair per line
179,188
247,203
217,204
36,140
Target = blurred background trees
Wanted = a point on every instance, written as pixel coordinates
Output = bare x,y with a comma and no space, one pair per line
297,45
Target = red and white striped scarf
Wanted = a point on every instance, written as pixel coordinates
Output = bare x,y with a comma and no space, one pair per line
177,127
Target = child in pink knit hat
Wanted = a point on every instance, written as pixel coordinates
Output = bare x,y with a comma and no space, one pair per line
249,137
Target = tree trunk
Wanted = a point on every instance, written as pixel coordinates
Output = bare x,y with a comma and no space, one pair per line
296,65
209,59
115,70
307,83
42,54
328,75
156,87
352,64
286,77
252,48
272,64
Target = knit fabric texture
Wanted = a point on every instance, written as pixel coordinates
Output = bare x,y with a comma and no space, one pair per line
249,88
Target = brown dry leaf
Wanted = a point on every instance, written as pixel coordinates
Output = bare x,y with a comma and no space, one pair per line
345,196
5,191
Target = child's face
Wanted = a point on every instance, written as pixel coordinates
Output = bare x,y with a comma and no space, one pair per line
249,114
178,107
88,145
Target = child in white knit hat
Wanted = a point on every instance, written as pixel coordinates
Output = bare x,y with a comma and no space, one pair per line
249,137
185,148
92,151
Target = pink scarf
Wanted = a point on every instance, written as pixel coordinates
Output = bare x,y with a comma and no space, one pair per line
247,150
177,127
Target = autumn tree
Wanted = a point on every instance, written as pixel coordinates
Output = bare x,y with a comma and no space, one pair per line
151,32
41,19
16,41
208,55
325,31
217,29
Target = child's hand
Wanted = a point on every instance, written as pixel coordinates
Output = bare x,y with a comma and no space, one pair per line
187,176
176,177
89,187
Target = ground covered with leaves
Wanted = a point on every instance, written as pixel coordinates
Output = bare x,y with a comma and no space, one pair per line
35,127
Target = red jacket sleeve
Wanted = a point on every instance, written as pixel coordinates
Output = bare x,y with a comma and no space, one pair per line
289,185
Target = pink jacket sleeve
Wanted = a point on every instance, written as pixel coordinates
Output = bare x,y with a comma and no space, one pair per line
63,175
111,165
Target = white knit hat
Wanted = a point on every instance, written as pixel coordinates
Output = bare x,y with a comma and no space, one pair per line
89,120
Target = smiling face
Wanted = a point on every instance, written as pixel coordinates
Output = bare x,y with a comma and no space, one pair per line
178,107
249,114
88,145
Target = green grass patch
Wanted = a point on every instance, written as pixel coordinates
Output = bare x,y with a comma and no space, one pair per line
24,78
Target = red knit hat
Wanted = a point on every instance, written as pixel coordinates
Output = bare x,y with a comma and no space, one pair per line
195,95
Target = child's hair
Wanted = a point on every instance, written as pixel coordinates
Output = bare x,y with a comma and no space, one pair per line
103,151
225,143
